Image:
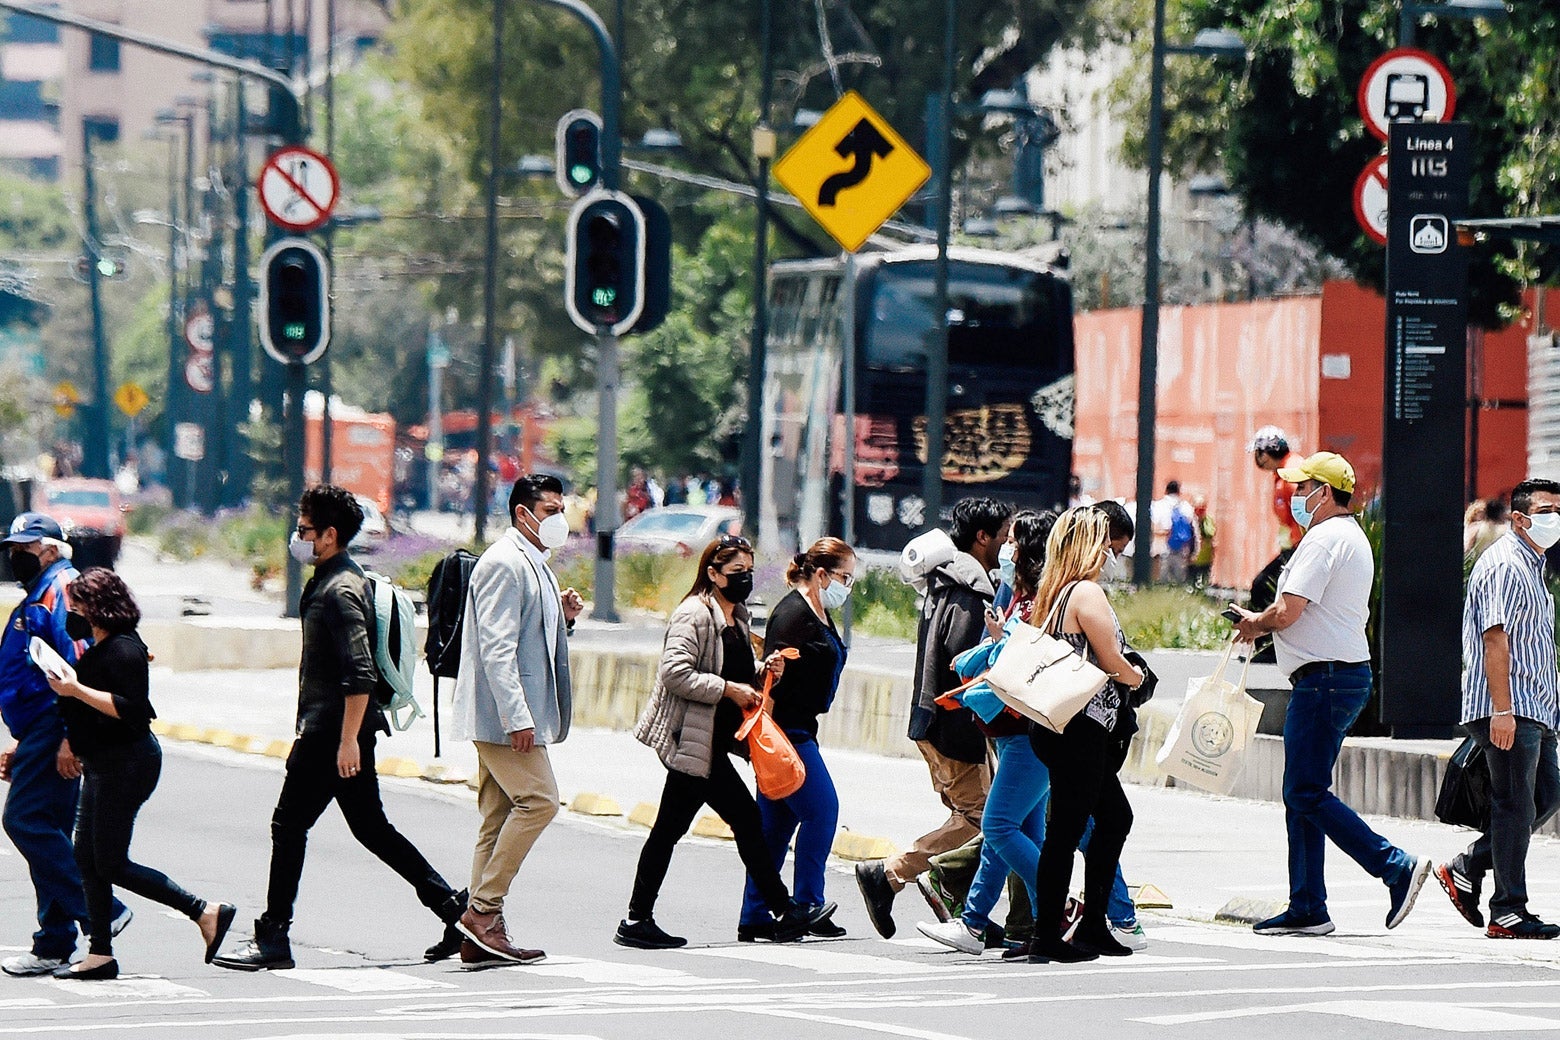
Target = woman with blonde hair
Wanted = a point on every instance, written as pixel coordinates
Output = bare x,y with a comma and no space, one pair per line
704,685
1080,759
820,579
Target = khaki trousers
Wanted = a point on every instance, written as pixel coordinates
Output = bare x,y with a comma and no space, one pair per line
518,797
962,786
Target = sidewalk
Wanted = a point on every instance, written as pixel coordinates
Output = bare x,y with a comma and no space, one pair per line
1201,850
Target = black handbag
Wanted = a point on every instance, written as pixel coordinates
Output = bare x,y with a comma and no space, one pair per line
1464,800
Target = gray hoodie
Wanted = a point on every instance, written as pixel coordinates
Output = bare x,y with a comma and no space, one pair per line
952,621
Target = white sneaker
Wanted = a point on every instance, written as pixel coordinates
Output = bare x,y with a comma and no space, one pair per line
26,964
1130,936
121,922
956,935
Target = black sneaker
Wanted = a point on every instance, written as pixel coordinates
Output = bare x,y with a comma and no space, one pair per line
646,935
764,930
1521,926
827,929
873,881
1058,951
447,947
800,919
269,950
995,937
1405,889
1463,891
1291,923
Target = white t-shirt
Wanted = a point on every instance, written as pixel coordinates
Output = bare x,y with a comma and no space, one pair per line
1333,569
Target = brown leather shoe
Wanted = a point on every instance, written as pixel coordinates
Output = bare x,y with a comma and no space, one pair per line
475,958
487,932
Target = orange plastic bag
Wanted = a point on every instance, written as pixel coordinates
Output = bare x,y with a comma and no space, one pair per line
777,767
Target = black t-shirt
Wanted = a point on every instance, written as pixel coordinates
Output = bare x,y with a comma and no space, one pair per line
737,667
117,666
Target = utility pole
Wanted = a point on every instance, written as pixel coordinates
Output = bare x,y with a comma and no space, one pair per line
758,350
483,491
240,346
937,357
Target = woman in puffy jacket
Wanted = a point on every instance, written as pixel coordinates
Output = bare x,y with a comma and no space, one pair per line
704,685
820,580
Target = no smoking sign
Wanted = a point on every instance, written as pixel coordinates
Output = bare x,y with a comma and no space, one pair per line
298,189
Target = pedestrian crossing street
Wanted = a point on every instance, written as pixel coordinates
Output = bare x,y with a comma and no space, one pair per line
1197,980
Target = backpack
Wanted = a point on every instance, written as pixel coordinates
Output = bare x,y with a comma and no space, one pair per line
447,587
395,650
1181,532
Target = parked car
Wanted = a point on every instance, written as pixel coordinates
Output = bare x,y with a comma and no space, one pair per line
375,530
92,515
684,530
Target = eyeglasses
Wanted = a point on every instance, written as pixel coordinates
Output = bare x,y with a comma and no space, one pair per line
846,580
303,529
734,541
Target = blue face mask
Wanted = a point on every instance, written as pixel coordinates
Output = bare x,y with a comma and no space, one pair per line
1006,563
1300,509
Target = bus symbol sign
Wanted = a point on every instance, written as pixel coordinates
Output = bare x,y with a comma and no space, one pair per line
851,171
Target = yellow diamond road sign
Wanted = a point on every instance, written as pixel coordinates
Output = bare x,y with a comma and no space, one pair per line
851,171
131,399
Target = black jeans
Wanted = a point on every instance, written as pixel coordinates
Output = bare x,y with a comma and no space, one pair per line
681,799
1524,794
115,784
311,784
1082,762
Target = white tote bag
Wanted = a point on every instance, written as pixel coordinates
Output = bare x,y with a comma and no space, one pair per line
1042,677
1206,747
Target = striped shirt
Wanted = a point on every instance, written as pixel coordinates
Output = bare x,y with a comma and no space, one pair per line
1507,589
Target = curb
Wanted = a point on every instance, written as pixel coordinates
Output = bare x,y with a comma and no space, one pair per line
1248,911
848,845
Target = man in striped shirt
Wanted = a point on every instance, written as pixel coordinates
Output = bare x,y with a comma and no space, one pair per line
1511,706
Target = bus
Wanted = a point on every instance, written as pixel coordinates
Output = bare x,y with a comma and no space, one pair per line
1010,391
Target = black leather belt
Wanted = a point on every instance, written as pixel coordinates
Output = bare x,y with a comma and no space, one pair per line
1324,667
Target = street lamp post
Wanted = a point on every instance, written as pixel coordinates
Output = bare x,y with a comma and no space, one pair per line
1410,13
1208,43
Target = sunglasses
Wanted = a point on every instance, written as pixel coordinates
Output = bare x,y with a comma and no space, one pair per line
734,541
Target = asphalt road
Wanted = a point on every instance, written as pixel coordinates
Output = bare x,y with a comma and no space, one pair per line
359,934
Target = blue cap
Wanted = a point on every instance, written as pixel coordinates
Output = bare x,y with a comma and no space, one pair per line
31,527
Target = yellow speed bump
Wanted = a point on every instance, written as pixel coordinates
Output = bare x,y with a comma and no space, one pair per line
404,767
589,803
184,731
278,749
711,826
1151,897
644,814
862,847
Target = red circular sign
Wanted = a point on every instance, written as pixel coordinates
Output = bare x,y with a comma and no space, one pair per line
1370,200
298,188
1405,85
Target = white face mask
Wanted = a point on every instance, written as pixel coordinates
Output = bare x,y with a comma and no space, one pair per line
553,531
835,594
302,551
1545,529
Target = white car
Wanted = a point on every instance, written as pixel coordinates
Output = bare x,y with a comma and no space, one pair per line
375,530
684,530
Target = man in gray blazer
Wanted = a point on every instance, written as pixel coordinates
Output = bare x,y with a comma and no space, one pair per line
512,700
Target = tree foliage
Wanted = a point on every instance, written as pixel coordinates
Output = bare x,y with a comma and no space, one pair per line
1289,134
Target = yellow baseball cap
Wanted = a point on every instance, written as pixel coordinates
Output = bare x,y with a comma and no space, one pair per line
1328,467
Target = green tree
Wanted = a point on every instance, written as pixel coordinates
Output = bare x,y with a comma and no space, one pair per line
1290,136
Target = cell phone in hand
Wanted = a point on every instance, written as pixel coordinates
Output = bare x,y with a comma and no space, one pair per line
1232,615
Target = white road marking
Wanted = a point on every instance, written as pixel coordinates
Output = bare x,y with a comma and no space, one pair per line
613,972
892,1029
25,1002
135,987
811,959
1230,938
365,980
1449,1018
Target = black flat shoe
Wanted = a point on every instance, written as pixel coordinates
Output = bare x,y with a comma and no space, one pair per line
764,930
1058,952
225,914
1100,942
827,929
109,969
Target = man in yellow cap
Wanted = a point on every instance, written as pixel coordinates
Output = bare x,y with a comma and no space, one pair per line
1318,628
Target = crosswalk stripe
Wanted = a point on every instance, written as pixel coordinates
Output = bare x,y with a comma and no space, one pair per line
810,958
139,987
1230,938
1450,1018
620,973
365,980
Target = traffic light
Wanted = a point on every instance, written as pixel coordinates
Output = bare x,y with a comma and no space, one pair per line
105,267
579,152
605,273
294,309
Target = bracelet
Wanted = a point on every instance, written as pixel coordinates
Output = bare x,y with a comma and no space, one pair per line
1508,711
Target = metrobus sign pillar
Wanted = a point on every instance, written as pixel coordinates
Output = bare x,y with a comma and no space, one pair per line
1419,628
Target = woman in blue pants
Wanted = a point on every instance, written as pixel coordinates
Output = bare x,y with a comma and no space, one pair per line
820,581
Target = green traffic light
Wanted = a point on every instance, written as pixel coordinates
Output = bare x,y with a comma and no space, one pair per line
294,330
580,173
603,296
107,268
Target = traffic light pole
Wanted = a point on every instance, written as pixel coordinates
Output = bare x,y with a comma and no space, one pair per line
94,462
604,597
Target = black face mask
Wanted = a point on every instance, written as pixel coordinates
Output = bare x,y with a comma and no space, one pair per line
77,626
25,566
739,587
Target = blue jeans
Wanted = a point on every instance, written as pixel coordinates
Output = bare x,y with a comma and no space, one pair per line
1014,827
812,814
1321,709
40,810
1524,794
